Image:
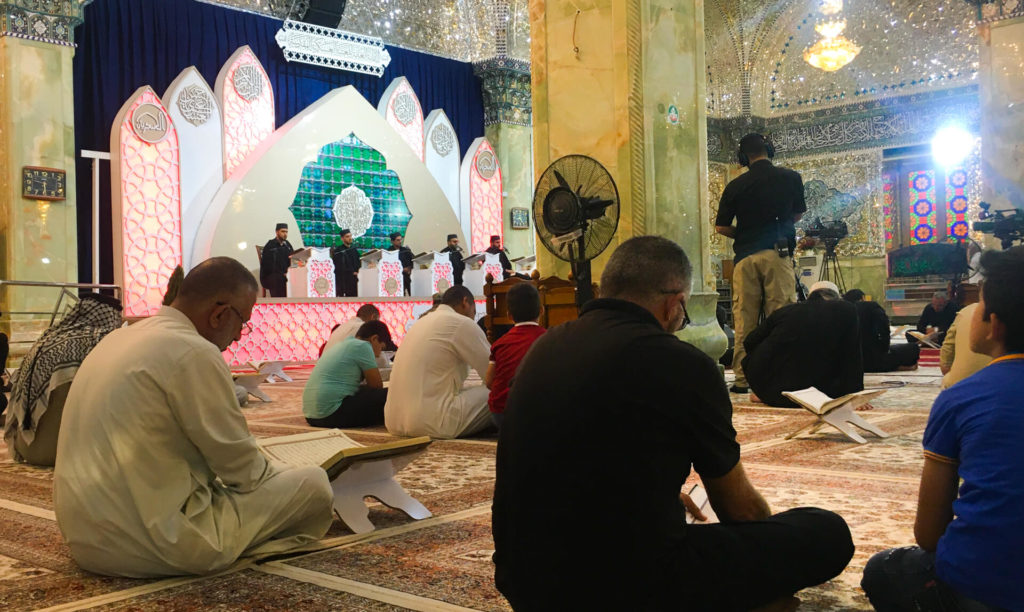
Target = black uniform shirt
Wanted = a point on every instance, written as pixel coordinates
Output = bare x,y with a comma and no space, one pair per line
756,199
346,259
274,259
458,266
604,419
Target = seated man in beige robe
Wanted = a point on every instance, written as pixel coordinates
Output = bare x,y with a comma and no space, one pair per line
157,473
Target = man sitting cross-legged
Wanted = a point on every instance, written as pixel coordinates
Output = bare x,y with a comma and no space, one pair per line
425,396
604,421
333,396
970,509
157,473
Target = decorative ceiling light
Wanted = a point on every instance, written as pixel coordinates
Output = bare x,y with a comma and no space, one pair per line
834,50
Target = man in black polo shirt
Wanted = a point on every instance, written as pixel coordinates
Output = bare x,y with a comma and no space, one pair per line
765,201
604,419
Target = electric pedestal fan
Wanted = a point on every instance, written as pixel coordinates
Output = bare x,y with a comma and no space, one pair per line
576,212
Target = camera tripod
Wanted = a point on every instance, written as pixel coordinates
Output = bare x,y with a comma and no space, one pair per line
830,270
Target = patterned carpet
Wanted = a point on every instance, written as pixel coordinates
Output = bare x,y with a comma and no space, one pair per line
443,563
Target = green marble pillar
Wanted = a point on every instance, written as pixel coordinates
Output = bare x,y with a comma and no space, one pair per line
38,238
505,85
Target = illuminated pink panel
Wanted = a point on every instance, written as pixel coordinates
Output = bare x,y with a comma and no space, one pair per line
405,115
320,279
485,198
389,275
150,203
295,331
248,103
442,271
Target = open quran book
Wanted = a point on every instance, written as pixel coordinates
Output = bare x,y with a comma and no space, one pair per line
927,340
819,403
334,451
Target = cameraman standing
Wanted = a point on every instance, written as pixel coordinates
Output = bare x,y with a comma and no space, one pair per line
765,201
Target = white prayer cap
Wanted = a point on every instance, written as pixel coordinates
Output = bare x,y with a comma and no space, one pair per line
824,285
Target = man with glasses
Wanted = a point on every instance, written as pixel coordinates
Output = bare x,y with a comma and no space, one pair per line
605,418
157,473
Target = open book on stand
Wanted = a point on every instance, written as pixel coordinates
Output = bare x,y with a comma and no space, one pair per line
838,412
927,340
819,403
334,451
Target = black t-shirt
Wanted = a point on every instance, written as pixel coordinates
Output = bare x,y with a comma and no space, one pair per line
605,416
808,344
874,329
756,199
941,319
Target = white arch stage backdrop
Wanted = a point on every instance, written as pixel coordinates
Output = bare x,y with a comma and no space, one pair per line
203,172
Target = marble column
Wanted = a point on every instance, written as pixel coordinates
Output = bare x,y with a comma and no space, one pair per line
1002,116
623,81
38,238
505,84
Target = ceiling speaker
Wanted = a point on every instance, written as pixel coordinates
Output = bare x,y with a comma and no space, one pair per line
326,13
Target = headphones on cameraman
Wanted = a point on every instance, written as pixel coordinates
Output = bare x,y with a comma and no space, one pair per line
769,148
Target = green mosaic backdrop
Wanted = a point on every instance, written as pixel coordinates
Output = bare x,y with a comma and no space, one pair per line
347,162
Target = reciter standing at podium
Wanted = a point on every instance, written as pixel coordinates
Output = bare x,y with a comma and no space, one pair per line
455,256
274,262
404,256
346,266
502,253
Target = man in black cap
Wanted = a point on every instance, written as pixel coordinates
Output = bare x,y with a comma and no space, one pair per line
346,266
455,256
404,256
502,253
274,262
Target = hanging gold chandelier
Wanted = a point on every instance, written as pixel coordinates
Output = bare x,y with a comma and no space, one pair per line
834,50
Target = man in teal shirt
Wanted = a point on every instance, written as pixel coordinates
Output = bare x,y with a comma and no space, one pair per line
334,395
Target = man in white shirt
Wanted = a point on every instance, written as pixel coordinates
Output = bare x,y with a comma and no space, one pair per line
425,395
157,473
348,329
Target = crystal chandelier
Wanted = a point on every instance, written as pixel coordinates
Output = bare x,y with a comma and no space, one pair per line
834,50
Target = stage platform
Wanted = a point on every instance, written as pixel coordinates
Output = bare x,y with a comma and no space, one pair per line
294,329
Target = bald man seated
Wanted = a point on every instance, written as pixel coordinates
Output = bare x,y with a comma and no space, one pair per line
157,473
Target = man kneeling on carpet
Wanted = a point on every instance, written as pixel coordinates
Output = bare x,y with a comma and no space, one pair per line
604,421
333,396
808,344
157,473
970,508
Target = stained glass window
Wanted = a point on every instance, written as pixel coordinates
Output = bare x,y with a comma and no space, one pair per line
349,163
889,194
957,225
921,187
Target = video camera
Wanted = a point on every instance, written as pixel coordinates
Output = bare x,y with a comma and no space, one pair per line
1005,224
830,232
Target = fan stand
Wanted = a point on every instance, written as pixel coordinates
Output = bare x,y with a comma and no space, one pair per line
581,272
